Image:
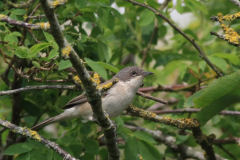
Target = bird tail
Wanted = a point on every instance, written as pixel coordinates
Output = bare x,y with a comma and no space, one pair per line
45,123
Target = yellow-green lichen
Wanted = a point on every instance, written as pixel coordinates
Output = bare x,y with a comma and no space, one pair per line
230,35
56,3
34,135
66,51
43,26
2,16
107,86
231,17
96,79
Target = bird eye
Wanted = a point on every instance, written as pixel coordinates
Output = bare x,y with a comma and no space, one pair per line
134,73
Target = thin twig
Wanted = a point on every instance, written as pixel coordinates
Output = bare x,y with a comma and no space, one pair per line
31,14
154,33
193,110
223,37
192,41
236,2
34,36
151,97
226,151
38,87
175,87
3,42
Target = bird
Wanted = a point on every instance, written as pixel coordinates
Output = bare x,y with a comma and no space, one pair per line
114,101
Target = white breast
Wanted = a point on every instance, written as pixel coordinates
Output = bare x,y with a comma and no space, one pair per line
121,96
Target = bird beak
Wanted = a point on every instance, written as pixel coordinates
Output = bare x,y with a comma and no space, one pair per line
145,73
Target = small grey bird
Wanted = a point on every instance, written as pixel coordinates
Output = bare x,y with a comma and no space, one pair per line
116,99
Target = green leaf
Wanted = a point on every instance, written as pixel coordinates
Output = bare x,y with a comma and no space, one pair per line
106,17
217,106
80,4
36,154
219,62
24,156
131,149
36,64
182,70
37,48
15,33
146,17
103,153
148,151
232,58
48,36
109,67
179,7
53,54
189,102
104,51
23,52
19,11
18,149
64,64
195,5
181,138
91,146
144,136
218,89
97,68
172,66
202,65
51,40
11,39
120,18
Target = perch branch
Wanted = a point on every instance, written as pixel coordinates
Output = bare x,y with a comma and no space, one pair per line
94,97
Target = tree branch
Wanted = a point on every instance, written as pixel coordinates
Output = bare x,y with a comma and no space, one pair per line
39,87
149,97
192,124
194,110
184,150
93,96
35,136
192,41
223,37
21,5
37,26
236,2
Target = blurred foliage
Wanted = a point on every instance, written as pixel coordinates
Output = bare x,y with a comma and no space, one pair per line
110,35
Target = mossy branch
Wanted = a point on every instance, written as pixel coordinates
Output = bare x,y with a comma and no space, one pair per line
37,26
35,136
21,5
93,96
191,124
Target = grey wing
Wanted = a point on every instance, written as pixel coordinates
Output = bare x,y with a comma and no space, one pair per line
75,101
